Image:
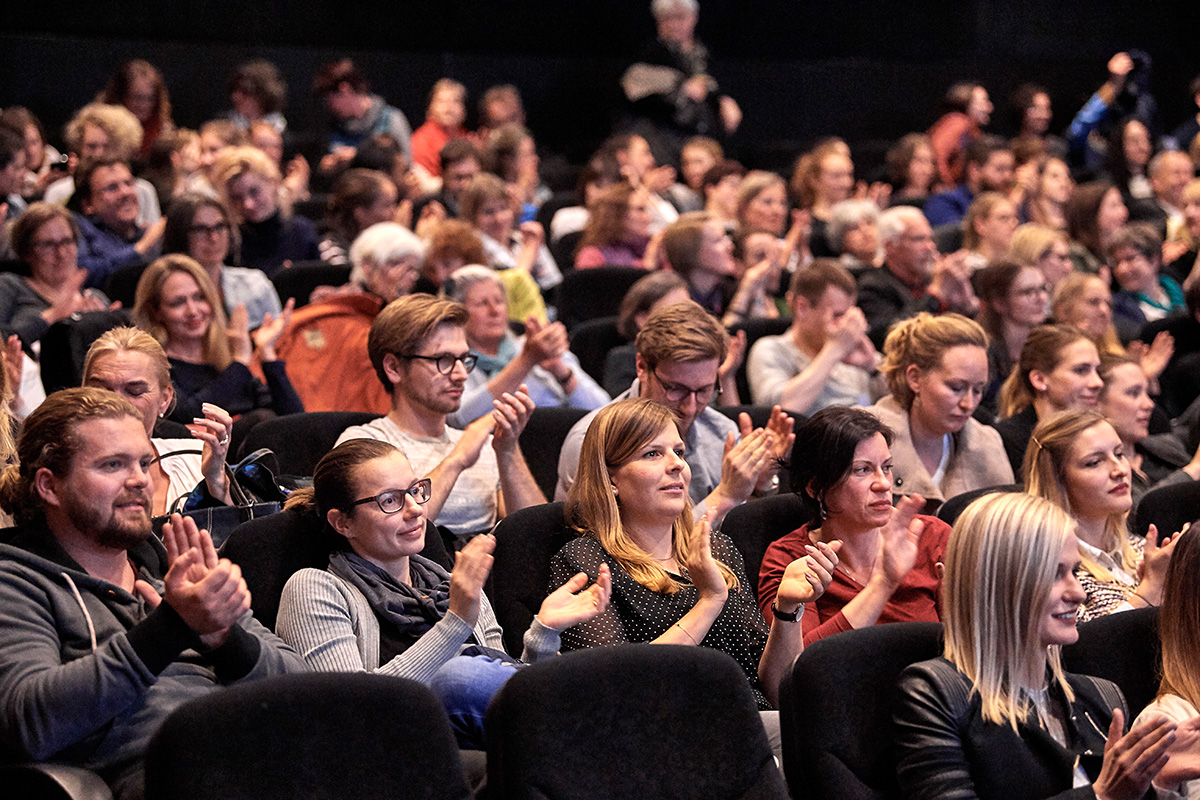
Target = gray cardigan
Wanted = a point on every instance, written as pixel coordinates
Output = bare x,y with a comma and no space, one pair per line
977,460
329,622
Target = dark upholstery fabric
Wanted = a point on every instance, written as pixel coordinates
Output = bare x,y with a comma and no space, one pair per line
298,281
526,540
1124,649
591,341
269,550
636,721
542,440
948,511
316,736
589,293
753,526
52,782
755,328
66,344
835,710
300,440
1168,507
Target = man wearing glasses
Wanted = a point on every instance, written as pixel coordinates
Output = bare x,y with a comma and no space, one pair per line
418,346
678,352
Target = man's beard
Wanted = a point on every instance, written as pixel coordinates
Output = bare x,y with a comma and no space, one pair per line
109,532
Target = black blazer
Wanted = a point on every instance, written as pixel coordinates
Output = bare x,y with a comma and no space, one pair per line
947,750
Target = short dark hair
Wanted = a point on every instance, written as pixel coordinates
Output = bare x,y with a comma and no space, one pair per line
334,73
980,150
457,150
720,171
11,143
83,176
824,450
1141,236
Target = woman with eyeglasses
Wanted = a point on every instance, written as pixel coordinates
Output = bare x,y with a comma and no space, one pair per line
200,227
539,359
46,238
381,607
1013,300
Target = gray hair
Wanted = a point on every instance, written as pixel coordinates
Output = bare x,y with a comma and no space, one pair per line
845,217
660,7
894,221
460,282
381,243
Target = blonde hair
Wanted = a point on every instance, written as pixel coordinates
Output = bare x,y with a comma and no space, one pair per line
216,352
1068,293
1046,476
923,341
129,340
1179,622
1042,351
1001,562
613,439
122,128
981,208
754,183
234,162
1031,242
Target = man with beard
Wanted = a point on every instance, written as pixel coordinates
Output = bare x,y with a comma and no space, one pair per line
109,234
989,167
103,630
418,346
913,277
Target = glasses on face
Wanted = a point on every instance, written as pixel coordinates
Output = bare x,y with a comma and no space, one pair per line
392,500
208,230
53,245
1030,291
446,361
677,392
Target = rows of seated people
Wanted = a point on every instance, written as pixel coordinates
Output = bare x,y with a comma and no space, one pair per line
869,358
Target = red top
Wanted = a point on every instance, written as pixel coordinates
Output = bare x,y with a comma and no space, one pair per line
427,142
915,599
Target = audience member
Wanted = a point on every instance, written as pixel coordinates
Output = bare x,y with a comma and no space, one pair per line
1046,199
539,360
166,624
360,198
1127,156
680,354
381,607
1032,113
825,358
418,347
43,163
217,136
911,170
499,105
487,204
139,87
199,226
967,111
988,228
698,155
510,153
1076,461
988,167
257,93
888,558
444,117
1013,301
211,355
1094,213
722,187
617,230
1135,255
110,235
461,161
355,115
936,370
852,235
1043,247
994,716
1056,371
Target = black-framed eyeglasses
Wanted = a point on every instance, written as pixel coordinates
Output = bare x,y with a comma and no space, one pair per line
677,392
446,361
392,500
208,230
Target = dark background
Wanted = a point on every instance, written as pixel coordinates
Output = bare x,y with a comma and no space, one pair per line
868,71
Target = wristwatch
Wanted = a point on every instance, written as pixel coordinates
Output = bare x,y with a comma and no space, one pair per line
782,617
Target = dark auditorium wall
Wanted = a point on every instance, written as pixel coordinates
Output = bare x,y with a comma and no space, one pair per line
864,69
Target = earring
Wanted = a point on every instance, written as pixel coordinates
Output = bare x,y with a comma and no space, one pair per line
821,509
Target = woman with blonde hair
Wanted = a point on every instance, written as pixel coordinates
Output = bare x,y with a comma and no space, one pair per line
674,581
133,364
1056,371
1077,461
988,227
937,369
248,182
1043,247
996,716
211,357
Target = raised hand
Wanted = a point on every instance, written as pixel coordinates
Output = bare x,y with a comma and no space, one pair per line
744,462
214,430
807,578
899,541
703,569
238,332
271,329
1132,761
511,412
571,603
471,568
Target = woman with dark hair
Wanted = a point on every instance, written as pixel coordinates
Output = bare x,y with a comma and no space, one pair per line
486,204
1077,461
359,199
1055,371
673,581
46,237
700,251
888,557
617,232
511,154
210,358
381,607
1094,213
257,92
1052,188
139,86
43,163
967,111
200,227
1013,301
1129,151
656,290
911,170
996,716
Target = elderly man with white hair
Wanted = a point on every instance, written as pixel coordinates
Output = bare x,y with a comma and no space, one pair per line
539,359
669,87
326,344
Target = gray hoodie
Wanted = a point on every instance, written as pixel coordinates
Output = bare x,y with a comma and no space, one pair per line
88,672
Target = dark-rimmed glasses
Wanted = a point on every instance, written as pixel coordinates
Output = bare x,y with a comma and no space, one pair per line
446,361
392,500
677,392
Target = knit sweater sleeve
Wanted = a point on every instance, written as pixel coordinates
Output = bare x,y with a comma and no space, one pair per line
331,625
